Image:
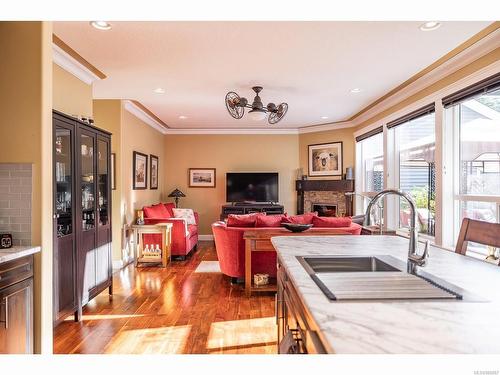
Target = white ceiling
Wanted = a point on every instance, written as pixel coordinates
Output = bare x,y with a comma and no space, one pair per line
310,65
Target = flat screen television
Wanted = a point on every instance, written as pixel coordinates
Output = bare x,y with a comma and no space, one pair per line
252,187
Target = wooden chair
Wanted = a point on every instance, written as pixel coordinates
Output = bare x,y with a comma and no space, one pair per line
477,231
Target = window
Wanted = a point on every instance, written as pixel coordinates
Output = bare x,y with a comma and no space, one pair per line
414,145
477,185
370,157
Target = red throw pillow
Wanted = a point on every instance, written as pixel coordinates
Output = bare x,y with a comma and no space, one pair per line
331,222
269,221
247,220
301,219
157,211
170,206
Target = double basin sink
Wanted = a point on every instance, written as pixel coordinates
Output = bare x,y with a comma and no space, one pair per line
381,277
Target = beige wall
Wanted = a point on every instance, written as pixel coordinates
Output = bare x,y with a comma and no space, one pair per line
107,116
342,135
138,136
70,95
228,153
129,134
26,128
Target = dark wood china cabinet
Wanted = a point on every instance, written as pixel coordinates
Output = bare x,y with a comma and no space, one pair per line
82,214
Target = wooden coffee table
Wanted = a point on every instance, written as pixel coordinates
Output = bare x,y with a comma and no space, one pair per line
260,240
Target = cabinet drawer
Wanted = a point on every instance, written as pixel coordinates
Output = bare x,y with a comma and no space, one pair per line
15,271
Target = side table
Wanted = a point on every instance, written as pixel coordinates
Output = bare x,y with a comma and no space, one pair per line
165,229
260,240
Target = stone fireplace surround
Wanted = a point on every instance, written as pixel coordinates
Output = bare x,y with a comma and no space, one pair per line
324,192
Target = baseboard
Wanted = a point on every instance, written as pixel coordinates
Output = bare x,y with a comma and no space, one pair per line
118,264
206,237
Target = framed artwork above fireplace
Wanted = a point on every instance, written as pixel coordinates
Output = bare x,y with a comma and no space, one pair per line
325,159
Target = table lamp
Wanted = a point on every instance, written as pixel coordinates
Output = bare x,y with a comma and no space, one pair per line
176,194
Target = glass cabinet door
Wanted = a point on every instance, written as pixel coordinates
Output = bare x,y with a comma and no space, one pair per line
87,182
102,186
63,178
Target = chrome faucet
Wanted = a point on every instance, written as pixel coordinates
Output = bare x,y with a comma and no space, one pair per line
413,258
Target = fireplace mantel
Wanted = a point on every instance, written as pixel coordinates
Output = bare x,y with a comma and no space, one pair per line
337,186
324,185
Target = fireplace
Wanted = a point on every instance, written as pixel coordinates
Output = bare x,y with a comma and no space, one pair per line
325,196
325,209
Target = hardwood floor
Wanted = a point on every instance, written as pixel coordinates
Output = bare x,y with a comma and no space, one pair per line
172,310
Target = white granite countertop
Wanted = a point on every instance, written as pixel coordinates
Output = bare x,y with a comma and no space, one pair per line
16,252
433,327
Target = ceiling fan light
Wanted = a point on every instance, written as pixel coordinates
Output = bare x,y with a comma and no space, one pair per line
257,114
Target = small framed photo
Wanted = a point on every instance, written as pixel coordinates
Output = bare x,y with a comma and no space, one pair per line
153,182
202,177
113,169
140,171
325,159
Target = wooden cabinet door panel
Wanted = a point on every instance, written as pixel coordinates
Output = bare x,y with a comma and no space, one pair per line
64,277
102,263
16,318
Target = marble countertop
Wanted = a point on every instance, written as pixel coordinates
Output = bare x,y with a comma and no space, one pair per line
16,252
401,327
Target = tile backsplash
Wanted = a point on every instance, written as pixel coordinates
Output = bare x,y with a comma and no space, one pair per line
15,201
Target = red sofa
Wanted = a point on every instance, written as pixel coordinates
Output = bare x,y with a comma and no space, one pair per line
230,247
184,236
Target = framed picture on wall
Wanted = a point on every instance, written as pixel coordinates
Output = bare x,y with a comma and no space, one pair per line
113,169
325,159
202,177
140,171
153,183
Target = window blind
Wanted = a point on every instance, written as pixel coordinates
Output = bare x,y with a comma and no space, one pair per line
482,87
369,134
411,116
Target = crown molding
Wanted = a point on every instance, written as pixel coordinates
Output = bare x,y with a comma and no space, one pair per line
458,61
139,112
483,43
61,58
325,127
436,96
172,131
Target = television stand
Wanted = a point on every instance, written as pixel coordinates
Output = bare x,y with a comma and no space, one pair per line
242,208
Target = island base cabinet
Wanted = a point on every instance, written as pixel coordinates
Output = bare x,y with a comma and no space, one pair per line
16,318
296,330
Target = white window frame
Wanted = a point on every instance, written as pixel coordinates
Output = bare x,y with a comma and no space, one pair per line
362,195
446,161
452,120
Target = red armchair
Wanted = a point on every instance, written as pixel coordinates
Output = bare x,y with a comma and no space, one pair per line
184,236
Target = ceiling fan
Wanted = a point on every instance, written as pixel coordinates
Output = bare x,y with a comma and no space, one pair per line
236,107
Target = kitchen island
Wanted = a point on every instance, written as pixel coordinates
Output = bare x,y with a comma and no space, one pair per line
390,326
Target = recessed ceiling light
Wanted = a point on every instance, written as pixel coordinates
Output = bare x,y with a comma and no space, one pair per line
324,117
159,90
183,117
101,25
430,25
356,90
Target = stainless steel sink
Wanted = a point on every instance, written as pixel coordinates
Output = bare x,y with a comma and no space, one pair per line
380,277
348,264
